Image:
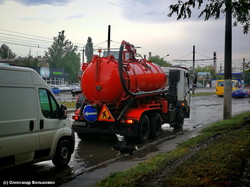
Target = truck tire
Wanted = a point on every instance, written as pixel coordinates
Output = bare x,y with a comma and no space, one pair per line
179,121
86,136
155,128
63,154
143,128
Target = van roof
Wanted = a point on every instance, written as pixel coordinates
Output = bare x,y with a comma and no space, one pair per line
20,76
17,68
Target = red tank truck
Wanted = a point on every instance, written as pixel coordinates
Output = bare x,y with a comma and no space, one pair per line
131,97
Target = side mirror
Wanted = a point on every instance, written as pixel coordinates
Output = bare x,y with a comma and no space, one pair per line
63,112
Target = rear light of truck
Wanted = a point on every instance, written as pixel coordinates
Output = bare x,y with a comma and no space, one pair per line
128,121
78,118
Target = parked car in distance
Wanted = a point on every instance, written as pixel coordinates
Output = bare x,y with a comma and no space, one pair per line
199,85
79,101
240,93
55,90
76,91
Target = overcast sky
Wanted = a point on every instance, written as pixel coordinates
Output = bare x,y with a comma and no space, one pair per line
143,23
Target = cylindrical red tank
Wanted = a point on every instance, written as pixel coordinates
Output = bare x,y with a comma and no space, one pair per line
101,81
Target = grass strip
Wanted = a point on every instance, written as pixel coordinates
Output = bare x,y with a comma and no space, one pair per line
202,94
71,104
133,176
221,163
220,160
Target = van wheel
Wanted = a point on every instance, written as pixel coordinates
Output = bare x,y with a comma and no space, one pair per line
143,128
156,123
63,154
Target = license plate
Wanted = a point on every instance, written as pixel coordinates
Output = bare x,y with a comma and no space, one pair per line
79,123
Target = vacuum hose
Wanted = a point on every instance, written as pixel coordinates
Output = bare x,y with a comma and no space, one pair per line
137,94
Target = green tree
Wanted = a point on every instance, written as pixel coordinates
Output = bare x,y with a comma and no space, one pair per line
5,52
160,61
29,62
246,74
89,50
209,69
247,66
71,63
213,9
62,54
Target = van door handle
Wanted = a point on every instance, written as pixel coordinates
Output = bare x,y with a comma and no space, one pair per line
31,125
41,124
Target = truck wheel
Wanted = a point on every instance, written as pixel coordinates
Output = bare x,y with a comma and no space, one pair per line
143,128
155,128
130,139
85,136
179,122
63,154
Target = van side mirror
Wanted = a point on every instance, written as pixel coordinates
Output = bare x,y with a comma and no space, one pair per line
63,112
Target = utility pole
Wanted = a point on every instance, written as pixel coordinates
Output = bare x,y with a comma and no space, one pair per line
83,51
243,69
228,62
108,51
193,67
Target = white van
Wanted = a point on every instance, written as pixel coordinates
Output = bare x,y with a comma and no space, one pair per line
33,126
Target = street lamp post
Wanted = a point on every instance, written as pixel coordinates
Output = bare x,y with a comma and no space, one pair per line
165,56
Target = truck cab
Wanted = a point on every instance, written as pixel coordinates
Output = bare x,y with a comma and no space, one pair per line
184,85
179,86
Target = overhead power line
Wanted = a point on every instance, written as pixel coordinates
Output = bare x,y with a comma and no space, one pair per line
204,59
26,34
183,56
203,55
185,60
20,43
29,38
100,43
25,45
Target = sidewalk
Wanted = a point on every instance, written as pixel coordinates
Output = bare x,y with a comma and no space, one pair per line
92,176
209,89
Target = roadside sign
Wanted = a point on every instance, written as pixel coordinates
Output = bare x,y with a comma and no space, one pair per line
105,114
90,113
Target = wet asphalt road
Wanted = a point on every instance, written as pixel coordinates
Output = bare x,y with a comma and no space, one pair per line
92,161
